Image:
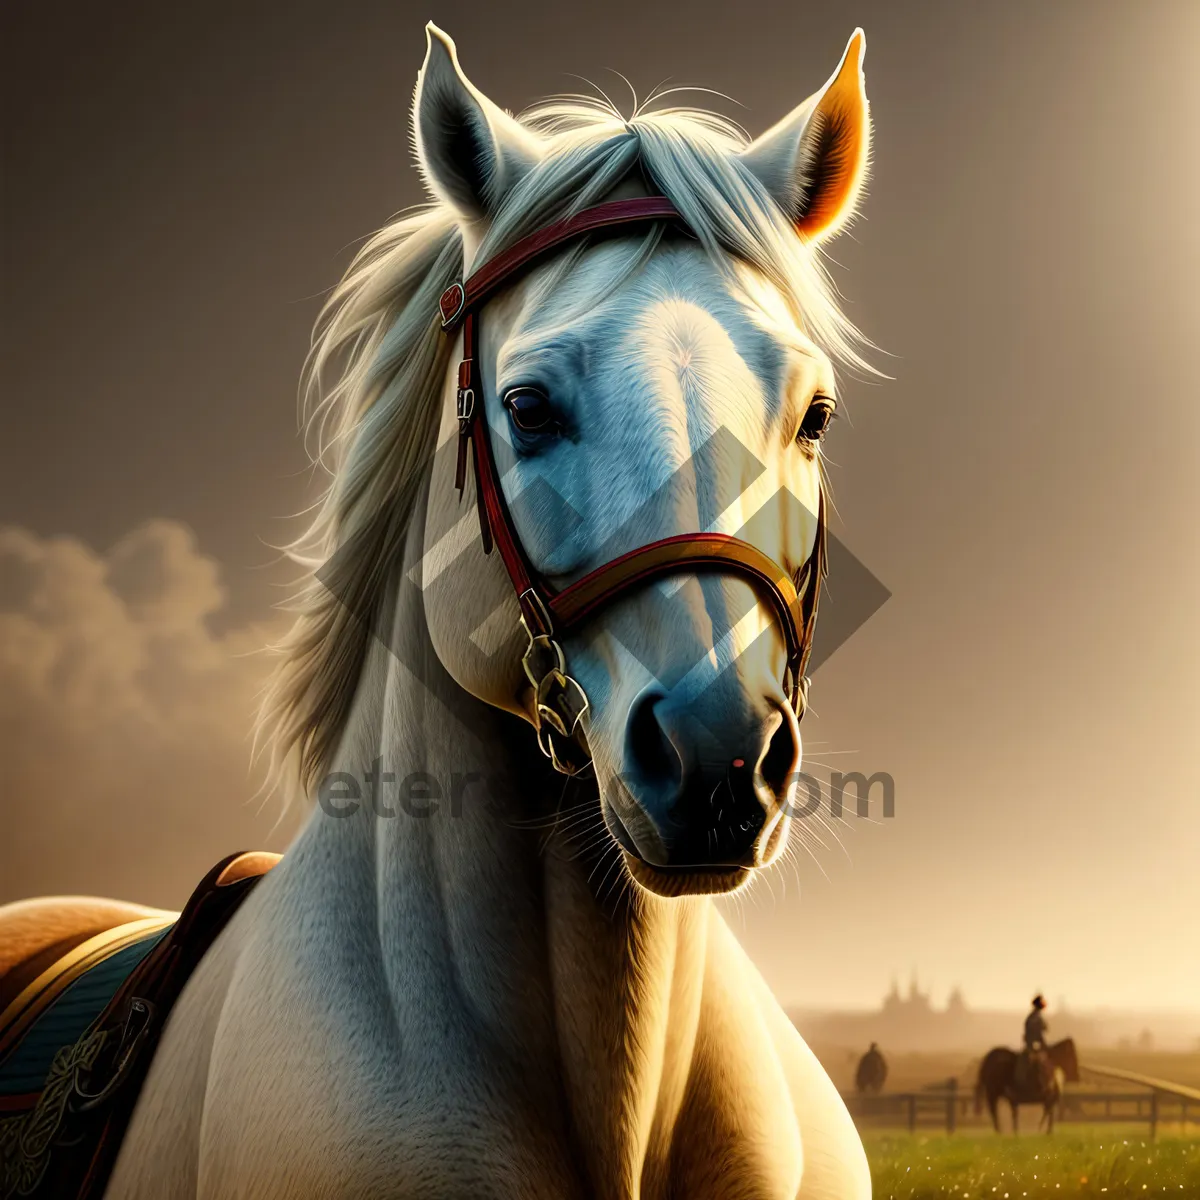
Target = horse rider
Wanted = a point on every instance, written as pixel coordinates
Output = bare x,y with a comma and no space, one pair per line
1036,1026
1036,1029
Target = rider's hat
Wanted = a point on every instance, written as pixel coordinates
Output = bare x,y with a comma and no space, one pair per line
1038,1001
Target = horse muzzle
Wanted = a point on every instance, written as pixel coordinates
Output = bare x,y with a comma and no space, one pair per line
700,805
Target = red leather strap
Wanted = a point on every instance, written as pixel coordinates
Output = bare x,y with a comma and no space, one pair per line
497,526
462,298
683,552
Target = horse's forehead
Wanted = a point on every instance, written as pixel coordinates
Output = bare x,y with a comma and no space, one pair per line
677,333
682,301
691,356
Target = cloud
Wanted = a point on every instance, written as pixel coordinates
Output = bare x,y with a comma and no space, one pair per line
125,717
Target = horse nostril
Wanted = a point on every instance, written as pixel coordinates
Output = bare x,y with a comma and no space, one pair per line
718,817
648,748
706,795
780,759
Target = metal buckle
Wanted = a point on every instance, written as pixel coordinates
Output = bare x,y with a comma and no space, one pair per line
559,704
529,596
466,403
138,1019
543,657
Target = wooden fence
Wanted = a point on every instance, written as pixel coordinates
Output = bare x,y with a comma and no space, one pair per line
949,1107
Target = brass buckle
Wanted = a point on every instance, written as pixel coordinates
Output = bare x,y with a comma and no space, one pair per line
559,704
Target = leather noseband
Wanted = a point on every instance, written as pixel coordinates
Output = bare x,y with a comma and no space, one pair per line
546,613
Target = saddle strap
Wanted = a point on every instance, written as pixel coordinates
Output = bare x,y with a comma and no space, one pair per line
67,1144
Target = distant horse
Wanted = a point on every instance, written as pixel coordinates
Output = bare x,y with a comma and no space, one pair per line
872,1071
998,1078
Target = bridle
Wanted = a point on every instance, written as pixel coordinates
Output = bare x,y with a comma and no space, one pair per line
559,703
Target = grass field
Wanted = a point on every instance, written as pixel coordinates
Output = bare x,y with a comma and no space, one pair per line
1080,1162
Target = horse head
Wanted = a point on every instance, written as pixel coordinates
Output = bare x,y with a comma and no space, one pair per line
640,387
1064,1057
674,379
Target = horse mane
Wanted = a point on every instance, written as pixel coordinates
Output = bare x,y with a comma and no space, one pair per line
376,369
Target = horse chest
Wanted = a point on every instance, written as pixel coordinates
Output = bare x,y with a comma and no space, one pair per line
349,1103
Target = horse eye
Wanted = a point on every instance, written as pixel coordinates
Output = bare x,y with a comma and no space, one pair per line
816,420
531,410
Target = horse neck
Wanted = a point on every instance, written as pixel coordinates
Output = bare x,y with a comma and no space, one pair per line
1062,1055
591,987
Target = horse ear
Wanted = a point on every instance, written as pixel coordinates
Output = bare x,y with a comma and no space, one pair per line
469,151
814,162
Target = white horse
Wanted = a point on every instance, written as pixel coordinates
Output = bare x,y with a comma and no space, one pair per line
467,978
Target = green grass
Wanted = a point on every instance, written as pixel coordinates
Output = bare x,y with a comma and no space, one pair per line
1090,1163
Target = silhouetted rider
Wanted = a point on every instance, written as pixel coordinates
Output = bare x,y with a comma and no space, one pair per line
1036,1027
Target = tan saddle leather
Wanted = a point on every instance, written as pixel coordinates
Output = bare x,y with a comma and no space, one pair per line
86,986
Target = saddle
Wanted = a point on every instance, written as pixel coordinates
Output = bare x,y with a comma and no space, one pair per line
1033,1072
80,1017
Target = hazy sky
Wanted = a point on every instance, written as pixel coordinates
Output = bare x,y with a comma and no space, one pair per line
182,183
